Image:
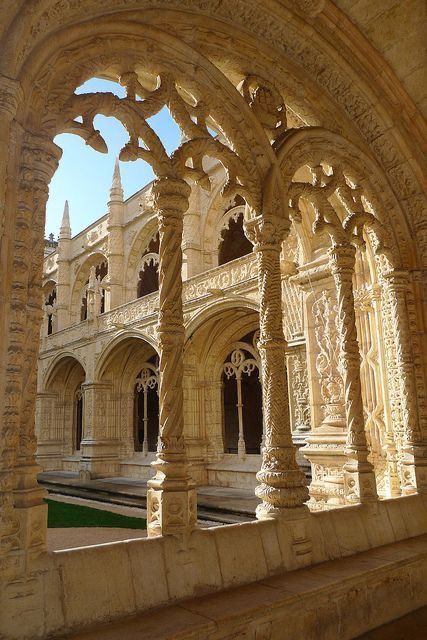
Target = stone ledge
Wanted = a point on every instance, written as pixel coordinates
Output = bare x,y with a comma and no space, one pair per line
336,599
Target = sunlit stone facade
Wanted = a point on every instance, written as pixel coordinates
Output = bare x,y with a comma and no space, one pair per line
301,120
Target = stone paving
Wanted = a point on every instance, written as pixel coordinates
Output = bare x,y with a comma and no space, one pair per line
221,504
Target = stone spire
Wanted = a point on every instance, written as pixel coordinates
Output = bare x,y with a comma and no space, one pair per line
116,191
65,228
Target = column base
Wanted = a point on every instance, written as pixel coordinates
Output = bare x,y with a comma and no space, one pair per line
99,459
171,498
280,491
325,451
413,470
359,477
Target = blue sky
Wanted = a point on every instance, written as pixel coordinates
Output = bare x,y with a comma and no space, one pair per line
84,175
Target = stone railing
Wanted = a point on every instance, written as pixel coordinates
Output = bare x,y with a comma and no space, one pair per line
242,271
219,278
130,312
144,310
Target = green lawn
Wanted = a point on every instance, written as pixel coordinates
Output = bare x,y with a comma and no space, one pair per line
63,514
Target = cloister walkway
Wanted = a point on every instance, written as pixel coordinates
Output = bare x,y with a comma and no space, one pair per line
222,504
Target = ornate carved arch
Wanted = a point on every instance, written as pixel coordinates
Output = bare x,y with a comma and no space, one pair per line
312,146
110,348
80,279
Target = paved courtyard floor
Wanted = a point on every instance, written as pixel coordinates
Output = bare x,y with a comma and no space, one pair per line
220,504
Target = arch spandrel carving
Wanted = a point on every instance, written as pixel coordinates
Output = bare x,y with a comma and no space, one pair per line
315,146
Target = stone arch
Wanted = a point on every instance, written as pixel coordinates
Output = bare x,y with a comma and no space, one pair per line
80,279
314,145
216,308
60,411
118,367
57,363
142,239
212,336
120,339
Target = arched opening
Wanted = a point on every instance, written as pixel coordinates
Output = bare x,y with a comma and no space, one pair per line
130,366
60,411
146,417
148,275
49,292
233,243
242,400
94,291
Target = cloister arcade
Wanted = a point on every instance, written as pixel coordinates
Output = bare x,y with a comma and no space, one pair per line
148,355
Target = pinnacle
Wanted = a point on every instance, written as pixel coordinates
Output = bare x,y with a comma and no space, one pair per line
65,228
116,184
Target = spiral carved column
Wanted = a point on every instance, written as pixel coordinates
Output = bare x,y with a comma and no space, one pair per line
171,497
359,477
282,486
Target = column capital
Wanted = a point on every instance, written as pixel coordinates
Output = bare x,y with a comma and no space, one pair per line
398,278
170,196
11,95
342,258
267,232
40,158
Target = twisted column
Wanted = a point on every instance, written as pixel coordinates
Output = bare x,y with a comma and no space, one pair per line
171,497
359,477
282,486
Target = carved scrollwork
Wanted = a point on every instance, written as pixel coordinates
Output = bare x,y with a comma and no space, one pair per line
134,111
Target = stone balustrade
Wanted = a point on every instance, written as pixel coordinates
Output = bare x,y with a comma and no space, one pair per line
238,276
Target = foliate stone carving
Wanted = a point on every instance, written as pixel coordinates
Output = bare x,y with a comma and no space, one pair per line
326,332
190,114
300,400
267,104
11,95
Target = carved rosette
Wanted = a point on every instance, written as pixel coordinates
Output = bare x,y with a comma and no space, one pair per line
282,481
359,477
171,495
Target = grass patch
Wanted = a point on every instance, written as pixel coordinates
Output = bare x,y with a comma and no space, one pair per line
65,515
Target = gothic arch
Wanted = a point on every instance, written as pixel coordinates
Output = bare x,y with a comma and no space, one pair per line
117,342
58,362
314,145
80,279
139,244
217,308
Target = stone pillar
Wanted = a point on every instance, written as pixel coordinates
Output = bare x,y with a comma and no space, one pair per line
12,543
49,440
359,477
191,237
171,497
326,441
413,469
23,521
282,486
115,252
63,284
99,446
